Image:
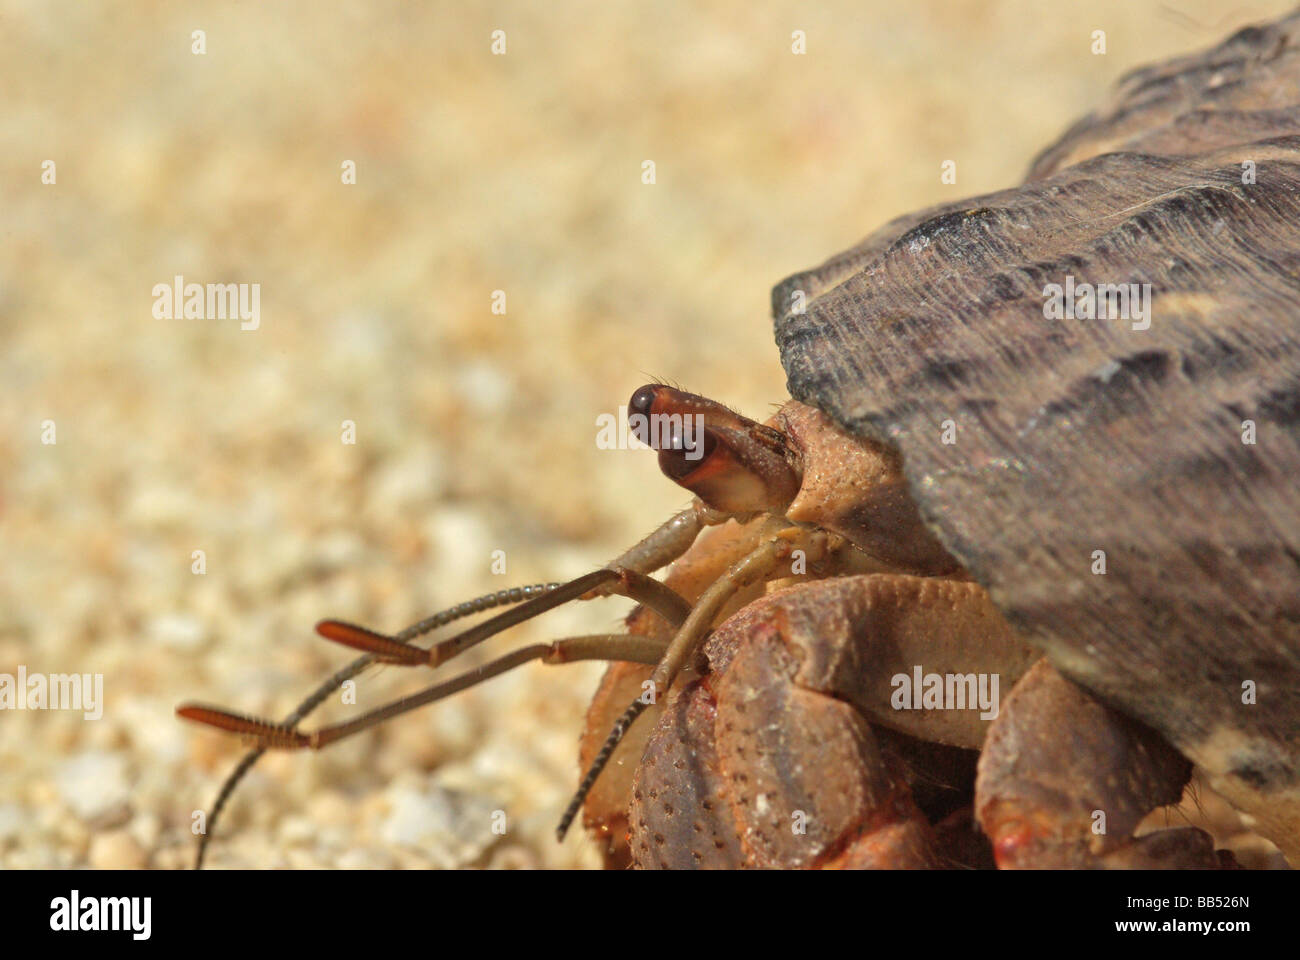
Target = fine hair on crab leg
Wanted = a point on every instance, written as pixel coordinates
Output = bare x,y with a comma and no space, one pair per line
634,648
464,609
754,566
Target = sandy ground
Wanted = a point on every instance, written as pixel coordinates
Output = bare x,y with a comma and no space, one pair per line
475,431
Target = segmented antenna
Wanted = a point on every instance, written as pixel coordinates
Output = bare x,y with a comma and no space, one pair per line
500,598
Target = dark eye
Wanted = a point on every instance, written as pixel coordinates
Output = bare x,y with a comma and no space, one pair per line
640,411
642,401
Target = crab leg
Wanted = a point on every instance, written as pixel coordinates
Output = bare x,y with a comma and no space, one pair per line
1064,780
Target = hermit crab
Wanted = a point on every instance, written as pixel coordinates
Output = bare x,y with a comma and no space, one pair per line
1043,442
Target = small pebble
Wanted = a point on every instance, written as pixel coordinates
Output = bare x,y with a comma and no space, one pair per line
117,850
178,631
92,783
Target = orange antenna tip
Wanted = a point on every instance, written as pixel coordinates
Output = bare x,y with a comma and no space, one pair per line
383,647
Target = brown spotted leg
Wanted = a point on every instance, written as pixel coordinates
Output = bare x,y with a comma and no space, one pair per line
770,759
1064,780
748,769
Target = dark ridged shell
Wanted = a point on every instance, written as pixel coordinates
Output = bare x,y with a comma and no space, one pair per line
1083,435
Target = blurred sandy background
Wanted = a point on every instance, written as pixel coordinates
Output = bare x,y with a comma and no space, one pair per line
475,431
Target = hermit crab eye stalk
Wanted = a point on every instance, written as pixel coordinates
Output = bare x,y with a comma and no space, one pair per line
730,462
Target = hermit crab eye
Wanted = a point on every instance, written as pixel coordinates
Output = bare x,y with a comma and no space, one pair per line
731,463
642,401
